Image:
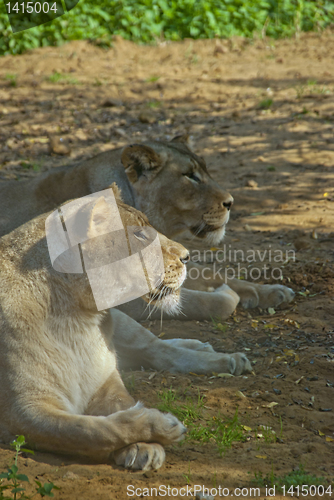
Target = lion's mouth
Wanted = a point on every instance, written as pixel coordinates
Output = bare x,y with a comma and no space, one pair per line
161,292
203,229
165,298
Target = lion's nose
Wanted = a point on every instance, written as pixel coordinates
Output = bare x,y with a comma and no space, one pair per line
185,259
228,203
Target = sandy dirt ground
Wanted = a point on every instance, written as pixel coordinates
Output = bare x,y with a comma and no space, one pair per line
262,114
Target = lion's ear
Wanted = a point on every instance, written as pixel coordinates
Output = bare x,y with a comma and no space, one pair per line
139,159
117,192
183,138
100,218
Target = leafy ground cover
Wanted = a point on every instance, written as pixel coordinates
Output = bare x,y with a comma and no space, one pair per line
148,21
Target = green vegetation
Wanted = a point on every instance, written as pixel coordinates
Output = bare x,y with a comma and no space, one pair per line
35,166
146,21
61,77
309,88
11,78
297,477
11,480
266,104
218,325
218,429
154,104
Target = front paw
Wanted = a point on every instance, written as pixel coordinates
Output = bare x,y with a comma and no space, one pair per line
274,295
264,296
166,428
241,363
140,456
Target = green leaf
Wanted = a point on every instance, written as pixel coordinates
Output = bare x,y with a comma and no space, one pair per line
46,489
25,450
22,477
14,468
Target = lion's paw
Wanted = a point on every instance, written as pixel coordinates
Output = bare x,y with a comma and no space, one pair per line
166,428
274,295
241,363
254,295
229,300
140,456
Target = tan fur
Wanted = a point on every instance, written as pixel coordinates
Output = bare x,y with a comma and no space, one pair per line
59,382
172,186
160,179
166,181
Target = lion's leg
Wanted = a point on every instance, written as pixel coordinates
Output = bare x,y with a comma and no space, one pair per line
50,427
195,304
194,344
137,347
251,294
113,397
110,398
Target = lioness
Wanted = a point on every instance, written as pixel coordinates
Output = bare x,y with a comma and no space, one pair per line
166,181
59,383
172,186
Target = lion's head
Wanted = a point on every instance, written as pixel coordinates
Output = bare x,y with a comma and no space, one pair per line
175,190
123,255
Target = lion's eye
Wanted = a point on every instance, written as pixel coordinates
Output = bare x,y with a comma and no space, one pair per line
193,177
140,236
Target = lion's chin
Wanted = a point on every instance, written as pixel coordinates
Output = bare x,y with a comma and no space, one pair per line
211,235
213,238
168,302
213,231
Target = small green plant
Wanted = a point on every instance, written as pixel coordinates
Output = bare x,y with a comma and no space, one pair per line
218,325
266,104
14,479
214,480
218,429
312,88
271,168
12,78
195,59
154,104
27,165
60,77
300,91
264,481
188,412
187,477
311,82
305,111
297,477
268,434
152,79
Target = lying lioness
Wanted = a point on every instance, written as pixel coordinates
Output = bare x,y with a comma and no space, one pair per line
172,186
59,382
167,182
